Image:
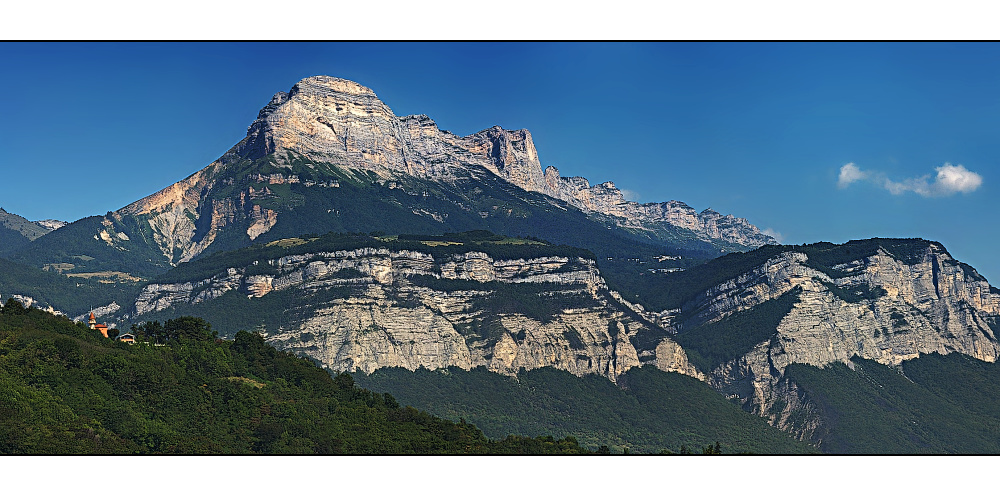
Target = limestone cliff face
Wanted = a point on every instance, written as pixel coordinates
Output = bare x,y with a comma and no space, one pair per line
344,125
877,307
607,199
391,312
331,120
28,302
186,218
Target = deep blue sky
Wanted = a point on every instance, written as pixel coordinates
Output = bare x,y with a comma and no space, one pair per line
756,130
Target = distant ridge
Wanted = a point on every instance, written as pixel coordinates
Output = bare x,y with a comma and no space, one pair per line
16,231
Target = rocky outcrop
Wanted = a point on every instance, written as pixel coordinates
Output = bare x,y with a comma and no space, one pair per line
794,413
369,332
343,123
172,214
339,121
28,302
51,224
99,312
160,296
390,312
877,307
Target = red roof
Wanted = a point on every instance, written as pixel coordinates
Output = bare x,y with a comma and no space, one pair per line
91,315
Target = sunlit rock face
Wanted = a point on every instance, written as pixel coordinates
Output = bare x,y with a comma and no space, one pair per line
385,319
344,123
897,310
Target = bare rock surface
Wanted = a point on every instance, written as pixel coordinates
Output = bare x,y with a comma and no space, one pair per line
389,321
895,311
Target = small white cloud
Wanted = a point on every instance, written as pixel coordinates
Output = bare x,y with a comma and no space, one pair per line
956,179
774,234
950,179
917,185
850,173
630,195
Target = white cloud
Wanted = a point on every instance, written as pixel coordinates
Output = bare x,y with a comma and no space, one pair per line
950,179
917,185
850,173
956,179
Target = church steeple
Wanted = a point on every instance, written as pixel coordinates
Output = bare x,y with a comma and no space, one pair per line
93,321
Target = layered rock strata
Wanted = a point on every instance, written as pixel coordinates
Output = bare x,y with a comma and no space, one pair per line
392,319
877,307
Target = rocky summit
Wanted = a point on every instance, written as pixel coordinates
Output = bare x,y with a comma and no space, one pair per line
339,123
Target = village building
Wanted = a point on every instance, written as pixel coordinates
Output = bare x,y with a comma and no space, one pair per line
103,328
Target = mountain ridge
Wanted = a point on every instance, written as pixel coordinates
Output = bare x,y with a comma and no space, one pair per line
736,322
17,231
339,122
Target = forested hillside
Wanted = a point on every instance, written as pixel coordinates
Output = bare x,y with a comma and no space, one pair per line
653,411
16,231
932,404
72,295
64,389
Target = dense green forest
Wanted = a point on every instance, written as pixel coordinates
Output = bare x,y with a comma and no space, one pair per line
73,295
64,389
653,411
16,231
76,243
11,240
932,404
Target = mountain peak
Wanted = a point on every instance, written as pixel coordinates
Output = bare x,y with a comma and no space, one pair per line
343,124
326,84
328,119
